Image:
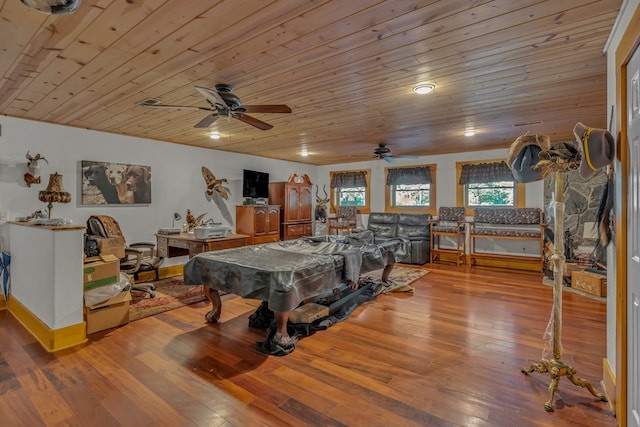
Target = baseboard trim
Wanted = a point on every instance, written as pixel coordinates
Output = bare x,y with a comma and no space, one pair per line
526,266
609,384
163,273
3,303
51,339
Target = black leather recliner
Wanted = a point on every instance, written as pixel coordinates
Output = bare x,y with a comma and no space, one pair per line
412,227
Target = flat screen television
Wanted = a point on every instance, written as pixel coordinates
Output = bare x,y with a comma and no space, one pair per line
255,184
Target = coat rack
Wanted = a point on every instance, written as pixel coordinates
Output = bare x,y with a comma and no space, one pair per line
553,365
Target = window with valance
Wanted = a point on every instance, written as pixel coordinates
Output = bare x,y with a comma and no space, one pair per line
487,184
350,188
410,189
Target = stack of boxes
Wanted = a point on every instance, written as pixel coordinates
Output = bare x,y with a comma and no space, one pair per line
104,270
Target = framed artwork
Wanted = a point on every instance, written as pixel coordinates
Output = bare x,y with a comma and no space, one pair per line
106,183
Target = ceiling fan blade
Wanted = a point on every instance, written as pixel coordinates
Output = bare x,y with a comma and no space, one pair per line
252,121
155,103
265,108
212,96
388,159
207,121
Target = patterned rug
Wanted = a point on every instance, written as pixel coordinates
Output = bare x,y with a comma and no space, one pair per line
170,294
400,275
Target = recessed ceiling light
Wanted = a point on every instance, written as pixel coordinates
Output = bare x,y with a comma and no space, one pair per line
470,132
304,152
423,88
214,135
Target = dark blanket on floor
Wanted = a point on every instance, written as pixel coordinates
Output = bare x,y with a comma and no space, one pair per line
340,309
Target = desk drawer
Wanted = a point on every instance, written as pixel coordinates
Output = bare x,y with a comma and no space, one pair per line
590,283
179,243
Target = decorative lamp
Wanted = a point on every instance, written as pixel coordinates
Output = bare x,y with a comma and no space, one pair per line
176,217
54,192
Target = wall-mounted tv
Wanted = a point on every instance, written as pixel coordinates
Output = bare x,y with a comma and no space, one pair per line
255,184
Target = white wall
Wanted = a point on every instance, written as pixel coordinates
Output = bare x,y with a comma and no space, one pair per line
177,183
446,184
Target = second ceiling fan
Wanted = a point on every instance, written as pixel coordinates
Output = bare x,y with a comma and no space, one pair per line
383,152
223,103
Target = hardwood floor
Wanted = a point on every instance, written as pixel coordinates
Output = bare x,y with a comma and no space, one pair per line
449,354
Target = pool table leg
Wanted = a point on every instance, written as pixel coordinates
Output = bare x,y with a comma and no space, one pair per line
213,296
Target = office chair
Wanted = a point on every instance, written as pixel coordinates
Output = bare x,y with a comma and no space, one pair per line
138,257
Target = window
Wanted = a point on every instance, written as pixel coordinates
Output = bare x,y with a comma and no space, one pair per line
500,193
410,189
350,188
487,184
418,195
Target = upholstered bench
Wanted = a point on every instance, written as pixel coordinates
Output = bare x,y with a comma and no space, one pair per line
506,223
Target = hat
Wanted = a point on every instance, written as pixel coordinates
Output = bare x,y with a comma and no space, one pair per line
597,147
523,155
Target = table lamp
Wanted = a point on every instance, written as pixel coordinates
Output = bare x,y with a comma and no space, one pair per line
54,192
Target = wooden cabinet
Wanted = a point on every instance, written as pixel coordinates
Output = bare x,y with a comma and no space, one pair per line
260,222
295,200
591,283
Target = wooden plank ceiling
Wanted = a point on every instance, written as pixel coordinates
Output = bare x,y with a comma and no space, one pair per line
346,69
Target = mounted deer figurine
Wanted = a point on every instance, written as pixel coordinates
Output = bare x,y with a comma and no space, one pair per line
321,205
33,169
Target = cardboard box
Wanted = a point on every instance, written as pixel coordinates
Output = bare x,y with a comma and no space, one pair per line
108,314
104,272
590,283
111,246
308,313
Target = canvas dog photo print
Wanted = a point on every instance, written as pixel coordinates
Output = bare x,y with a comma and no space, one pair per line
106,183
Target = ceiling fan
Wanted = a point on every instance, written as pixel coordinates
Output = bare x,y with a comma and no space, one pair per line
383,152
223,103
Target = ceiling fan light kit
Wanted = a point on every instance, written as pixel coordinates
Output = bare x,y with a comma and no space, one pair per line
223,103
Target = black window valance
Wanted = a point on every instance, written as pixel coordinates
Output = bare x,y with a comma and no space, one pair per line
417,175
485,172
349,179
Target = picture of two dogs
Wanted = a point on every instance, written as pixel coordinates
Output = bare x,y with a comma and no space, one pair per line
115,183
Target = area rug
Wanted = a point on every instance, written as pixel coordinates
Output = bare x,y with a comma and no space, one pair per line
171,293
402,277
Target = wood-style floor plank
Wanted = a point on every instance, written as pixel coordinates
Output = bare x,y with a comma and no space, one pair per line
448,354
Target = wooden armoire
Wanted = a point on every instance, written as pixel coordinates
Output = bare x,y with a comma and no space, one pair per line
260,222
294,198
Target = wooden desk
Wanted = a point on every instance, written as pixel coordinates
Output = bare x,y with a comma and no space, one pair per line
170,245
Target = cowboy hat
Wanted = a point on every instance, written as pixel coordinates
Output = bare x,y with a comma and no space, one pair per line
597,147
523,155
